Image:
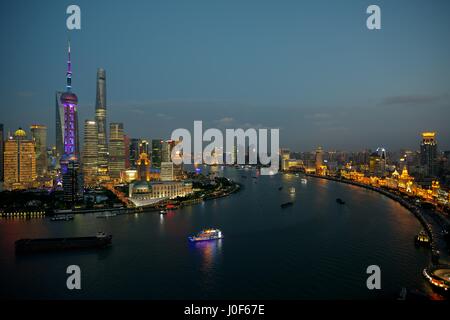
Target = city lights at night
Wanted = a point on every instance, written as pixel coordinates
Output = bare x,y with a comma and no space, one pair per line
225,156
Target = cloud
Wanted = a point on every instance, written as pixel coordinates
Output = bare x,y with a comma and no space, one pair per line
164,116
413,99
225,121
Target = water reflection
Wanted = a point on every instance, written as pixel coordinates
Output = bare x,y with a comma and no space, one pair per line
210,252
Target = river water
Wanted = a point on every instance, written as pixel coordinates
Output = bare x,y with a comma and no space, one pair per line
316,249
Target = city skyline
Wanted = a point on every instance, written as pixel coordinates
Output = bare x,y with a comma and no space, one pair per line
381,102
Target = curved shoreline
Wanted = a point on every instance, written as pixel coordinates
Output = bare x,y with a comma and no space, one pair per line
428,226
414,209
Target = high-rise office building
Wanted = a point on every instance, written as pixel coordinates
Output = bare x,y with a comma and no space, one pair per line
90,153
156,154
19,161
100,118
428,153
59,126
39,136
116,150
134,151
166,148
126,144
70,170
2,141
167,173
377,163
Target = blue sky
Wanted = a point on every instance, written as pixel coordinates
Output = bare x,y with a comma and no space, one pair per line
310,68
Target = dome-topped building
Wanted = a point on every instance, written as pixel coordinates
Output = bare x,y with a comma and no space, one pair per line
141,187
20,133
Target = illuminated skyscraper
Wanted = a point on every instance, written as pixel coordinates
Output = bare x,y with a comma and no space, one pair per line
59,125
19,161
428,153
377,163
116,150
70,169
100,118
39,136
90,153
156,154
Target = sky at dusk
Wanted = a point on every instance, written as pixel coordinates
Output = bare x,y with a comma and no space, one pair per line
310,68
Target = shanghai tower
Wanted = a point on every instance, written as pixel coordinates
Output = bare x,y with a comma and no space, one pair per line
100,118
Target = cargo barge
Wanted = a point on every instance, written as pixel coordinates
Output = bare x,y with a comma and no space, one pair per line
101,240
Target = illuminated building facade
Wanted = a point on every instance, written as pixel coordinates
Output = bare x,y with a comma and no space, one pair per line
19,162
428,153
143,167
285,156
100,118
143,193
167,173
116,150
377,163
90,153
39,136
320,168
144,147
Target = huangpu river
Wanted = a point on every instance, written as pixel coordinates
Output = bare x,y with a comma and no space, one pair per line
316,249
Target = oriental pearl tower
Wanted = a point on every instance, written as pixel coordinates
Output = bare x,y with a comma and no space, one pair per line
72,179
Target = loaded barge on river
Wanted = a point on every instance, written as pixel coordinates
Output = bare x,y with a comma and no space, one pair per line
101,240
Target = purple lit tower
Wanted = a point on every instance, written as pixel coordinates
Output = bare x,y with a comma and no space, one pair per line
70,167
